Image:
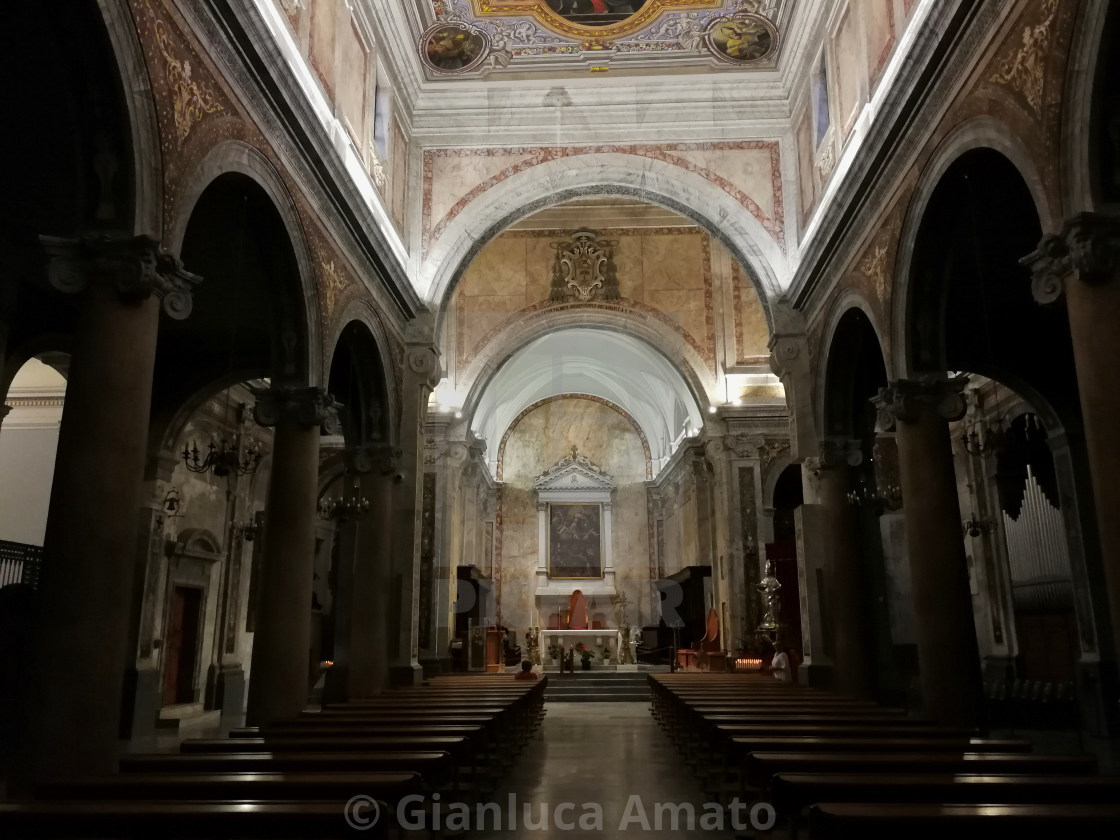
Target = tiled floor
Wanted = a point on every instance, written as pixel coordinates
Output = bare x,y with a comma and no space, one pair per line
611,754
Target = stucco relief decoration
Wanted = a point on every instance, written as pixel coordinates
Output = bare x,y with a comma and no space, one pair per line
191,99
331,284
876,262
743,39
1024,71
454,47
584,267
531,34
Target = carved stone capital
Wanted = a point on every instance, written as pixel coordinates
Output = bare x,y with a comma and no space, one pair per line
136,266
423,363
787,353
292,406
381,458
1088,247
838,452
745,446
905,399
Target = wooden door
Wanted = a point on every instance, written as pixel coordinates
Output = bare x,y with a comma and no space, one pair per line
181,650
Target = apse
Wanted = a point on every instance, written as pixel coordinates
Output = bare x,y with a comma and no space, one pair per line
611,366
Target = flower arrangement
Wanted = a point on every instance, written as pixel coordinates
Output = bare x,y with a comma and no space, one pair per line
585,653
555,651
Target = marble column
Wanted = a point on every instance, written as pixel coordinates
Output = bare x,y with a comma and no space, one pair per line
948,656
278,686
850,613
421,375
368,670
1081,265
72,720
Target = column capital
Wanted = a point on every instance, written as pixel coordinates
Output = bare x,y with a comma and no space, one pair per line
136,266
905,399
422,362
839,452
382,458
1088,246
285,405
745,446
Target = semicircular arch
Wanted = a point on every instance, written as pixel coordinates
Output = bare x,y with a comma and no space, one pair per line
235,156
978,133
559,180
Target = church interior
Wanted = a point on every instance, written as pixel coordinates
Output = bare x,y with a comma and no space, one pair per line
420,398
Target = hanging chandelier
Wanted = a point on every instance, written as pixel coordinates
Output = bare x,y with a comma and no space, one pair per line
350,505
983,440
223,459
889,496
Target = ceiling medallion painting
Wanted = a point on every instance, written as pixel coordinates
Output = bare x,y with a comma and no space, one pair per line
454,47
597,35
584,267
741,39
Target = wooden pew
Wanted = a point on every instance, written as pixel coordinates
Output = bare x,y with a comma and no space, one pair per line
272,786
176,820
831,821
761,767
792,793
435,767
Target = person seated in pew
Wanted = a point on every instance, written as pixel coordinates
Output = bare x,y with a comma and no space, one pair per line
526,672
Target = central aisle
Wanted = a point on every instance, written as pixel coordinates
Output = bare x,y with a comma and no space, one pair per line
603,753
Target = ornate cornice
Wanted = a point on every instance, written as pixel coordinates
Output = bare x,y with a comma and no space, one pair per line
906,399
136,266
574,472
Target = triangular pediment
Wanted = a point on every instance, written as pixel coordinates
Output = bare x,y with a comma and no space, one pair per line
574,473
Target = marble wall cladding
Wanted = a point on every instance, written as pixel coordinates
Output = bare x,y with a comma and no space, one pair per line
353,85
752,333
664,270
324,14
398,178
880,22
805,191
538,441
850,70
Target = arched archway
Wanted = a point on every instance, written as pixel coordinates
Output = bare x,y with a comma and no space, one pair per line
760,251
966,306
867,584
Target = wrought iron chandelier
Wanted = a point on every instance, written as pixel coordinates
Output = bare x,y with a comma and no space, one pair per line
223,459
350,505
890,496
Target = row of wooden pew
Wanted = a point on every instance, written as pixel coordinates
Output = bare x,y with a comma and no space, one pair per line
859,770
293,779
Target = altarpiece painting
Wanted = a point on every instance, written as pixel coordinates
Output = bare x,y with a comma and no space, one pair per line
575,541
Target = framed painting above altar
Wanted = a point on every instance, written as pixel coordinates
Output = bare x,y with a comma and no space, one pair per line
575,541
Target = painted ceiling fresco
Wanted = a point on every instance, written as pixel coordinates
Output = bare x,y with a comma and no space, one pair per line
478,37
